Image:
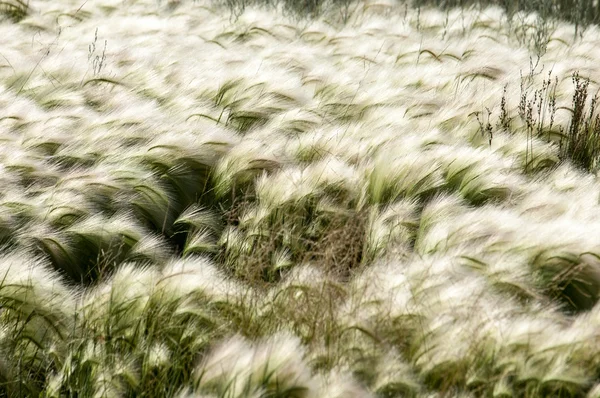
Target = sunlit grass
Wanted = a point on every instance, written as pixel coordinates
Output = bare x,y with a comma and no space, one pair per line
227,200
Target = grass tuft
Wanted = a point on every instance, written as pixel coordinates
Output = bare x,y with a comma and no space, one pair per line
15,10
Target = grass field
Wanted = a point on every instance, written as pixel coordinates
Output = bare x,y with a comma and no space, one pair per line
382,200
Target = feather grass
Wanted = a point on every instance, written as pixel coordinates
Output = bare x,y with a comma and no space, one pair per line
323,190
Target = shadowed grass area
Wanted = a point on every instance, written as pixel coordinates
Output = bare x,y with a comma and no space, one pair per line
15,10
264,249
579,12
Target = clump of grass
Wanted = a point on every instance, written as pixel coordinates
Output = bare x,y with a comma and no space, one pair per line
582,143
265,246
391,229
273,368
573,280
306,302
202,229
410,176
15,10
579,142
35,321
535,111
140,331
296,215
299,9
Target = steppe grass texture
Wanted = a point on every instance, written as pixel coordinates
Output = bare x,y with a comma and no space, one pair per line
380,200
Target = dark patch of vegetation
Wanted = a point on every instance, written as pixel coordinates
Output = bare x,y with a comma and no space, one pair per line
582,143
299,9
15,10
579,12
295,234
